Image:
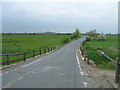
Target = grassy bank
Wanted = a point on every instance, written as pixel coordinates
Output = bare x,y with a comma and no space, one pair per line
110,47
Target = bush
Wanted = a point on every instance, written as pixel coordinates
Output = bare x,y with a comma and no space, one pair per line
88,39
101,37
65,40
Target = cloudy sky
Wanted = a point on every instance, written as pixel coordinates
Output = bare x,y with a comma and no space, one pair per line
59,15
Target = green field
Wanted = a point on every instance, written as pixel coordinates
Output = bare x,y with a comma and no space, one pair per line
110,47
26,43
23,43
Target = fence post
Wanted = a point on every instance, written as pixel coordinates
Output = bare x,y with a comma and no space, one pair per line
48,49
87,59
51,48
117,77
40,51
44,50
7,58
24,56
33,53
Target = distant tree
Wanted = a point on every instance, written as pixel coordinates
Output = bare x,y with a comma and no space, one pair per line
91,33
74,36
77,32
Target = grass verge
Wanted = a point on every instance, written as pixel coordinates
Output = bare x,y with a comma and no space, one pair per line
110,47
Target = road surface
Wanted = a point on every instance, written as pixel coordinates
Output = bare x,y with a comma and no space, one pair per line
60,69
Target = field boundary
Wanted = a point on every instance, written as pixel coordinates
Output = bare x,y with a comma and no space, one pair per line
26,55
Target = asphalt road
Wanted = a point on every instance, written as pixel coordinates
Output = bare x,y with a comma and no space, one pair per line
60,69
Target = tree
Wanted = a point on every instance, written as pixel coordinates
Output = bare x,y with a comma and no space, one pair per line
91,33
77,32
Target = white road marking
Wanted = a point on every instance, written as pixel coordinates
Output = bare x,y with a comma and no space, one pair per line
30,63
85,84
6,72
77,59
82,73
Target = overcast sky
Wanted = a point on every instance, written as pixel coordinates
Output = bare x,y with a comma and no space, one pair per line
59,15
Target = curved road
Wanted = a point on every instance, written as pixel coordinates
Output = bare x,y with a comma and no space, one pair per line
60,69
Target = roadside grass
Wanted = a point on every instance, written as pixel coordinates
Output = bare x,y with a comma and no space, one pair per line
109,47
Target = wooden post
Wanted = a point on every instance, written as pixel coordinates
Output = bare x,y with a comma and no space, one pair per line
48,49
33,53
51,48
40,51
7,58
87,59
44,50
117,78
24,56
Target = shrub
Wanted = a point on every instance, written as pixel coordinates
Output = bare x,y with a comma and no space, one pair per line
65,40
88,39
101,37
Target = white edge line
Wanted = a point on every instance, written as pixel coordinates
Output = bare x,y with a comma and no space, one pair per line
77,59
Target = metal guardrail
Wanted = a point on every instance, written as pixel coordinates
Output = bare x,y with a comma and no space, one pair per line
25,55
